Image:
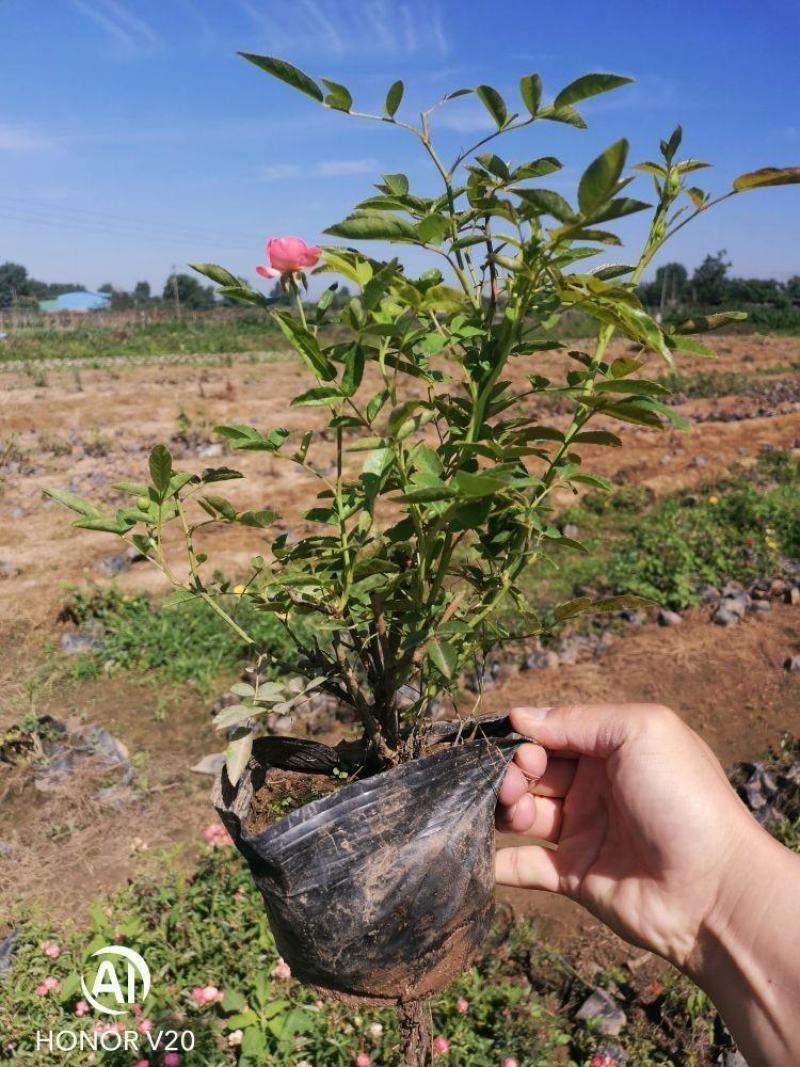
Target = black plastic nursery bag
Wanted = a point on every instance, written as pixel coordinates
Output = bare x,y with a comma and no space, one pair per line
384,889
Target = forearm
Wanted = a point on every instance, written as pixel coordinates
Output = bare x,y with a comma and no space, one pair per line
747,956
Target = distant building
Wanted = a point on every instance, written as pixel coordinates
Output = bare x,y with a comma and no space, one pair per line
78,301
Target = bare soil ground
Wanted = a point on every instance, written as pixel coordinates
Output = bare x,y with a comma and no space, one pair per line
86,434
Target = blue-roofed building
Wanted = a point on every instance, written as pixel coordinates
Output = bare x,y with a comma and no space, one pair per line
78,301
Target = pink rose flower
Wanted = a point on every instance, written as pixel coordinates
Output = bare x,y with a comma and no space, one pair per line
145,1026
51,949
215,834
281,970
441,1046
49,985
462,1006
172,1059
81,1008
288,255
363,1060
142,1063
509,1061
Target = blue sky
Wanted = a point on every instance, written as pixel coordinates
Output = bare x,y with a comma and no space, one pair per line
133,138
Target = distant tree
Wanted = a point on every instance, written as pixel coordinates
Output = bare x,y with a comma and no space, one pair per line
793,288
191,294
669,286
141,294
120,299
757,291
14,283
709,282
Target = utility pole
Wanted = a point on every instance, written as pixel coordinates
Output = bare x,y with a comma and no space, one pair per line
175,291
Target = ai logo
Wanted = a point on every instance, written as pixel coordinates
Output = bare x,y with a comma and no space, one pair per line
106,982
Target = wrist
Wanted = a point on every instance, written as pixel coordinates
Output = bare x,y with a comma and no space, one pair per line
742,956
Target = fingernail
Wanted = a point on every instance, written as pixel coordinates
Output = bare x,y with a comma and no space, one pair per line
534,714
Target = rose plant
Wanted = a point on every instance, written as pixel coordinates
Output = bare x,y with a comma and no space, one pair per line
445,472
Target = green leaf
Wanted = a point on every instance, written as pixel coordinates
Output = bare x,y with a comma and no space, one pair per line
474,486
537,168
670,147
238,754
394,98
104,525
248,438
443,656
73,502
217,274
220,506
567,115
397,184
285,72
597,437
319,397
219,474
616,209
766,176
530,89
259,519
704,323
160,469
233,1001
601,176
234,715
306,345
588,85
338,97
245,295
632,386
353,369
376,226
546,202
494,104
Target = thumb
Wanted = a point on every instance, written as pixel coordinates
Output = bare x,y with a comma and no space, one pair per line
585,729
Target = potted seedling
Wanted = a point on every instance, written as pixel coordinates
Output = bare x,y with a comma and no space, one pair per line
437,474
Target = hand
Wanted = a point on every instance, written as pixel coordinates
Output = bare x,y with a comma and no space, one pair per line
647,826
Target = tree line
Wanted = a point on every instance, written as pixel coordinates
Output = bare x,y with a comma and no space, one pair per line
710,285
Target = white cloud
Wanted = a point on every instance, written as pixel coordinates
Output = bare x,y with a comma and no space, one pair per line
346,27
20,139
326,168
116,19
331,168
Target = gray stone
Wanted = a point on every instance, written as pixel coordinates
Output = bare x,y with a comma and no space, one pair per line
604,1012
724,617
6,950
541,660
83,746
731,589
571,531
760,607
709,594
211,764
210,451
633,616
736,604
112,565
8,570
792,596
699,460
792,664
668,618
78,644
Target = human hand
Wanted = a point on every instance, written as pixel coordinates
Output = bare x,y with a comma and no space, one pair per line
651,837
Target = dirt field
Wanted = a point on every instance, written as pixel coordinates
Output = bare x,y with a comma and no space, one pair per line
86,433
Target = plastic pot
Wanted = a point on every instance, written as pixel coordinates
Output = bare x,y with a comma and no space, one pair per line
383,890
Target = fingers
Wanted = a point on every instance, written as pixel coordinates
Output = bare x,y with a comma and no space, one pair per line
557,778
528,765
537,817
528,866
588,729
